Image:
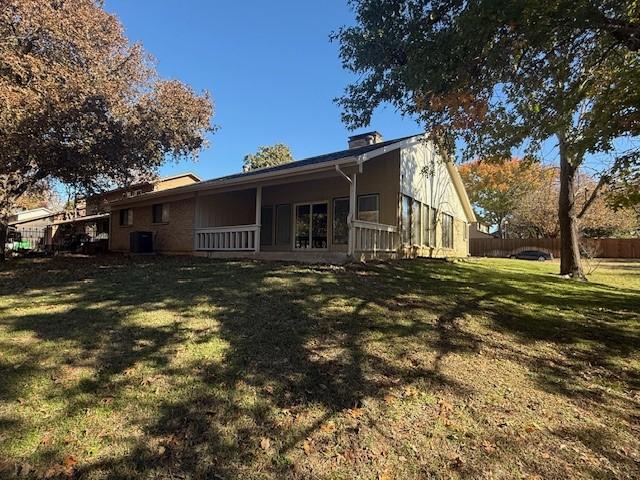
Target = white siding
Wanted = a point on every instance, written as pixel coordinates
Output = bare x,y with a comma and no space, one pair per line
424,176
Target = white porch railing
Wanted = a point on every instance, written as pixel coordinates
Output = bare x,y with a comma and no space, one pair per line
238,237
373,237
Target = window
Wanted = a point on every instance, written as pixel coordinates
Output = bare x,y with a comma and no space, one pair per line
406,220
266,228
160,213
426,231
340,227
447,231
126,217
134,193
416,223
368,208
311,225
433,224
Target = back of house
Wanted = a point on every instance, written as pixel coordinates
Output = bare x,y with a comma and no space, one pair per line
376,199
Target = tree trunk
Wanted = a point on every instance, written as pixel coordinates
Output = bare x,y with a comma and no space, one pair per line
570,262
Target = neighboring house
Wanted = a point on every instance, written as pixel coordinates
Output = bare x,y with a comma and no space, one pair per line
479,230
29,227
91,215
376,199
40,216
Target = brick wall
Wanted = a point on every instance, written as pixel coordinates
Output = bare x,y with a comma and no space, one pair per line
175,236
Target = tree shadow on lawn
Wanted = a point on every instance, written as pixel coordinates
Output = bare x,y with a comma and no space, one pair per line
301,346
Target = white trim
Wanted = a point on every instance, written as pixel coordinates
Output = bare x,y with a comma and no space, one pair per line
461,191
227,238
294,222
353,198
258,216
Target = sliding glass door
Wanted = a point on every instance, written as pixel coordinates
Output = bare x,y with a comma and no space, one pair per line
311,225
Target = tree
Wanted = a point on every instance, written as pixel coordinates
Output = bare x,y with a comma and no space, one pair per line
269,156
40,195
496,189
536,213
502,75
523,197
82,106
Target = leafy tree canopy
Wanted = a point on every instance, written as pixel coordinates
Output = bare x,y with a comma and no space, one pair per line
503,74
268,156
83,106
496,189
521,199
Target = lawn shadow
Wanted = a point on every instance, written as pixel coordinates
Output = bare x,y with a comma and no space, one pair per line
303,345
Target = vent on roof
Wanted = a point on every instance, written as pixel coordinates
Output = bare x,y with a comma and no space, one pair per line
364,139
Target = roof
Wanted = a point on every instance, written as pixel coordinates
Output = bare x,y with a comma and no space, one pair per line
150,182
32,219
458,184
327,157
321,161
179,175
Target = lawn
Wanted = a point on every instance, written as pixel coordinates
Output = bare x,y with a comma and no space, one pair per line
190,368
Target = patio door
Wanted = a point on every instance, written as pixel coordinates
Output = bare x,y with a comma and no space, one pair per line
310,226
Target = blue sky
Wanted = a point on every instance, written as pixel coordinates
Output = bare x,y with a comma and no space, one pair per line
270,67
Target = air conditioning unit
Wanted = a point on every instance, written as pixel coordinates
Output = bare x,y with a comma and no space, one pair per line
141,242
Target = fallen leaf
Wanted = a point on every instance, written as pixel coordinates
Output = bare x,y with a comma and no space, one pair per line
384,476
265,443
488,447
46,438
355,412
307,447
410,391
328,427
389,398
445,408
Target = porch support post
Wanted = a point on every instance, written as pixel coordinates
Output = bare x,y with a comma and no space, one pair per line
352,215
258,217
197,222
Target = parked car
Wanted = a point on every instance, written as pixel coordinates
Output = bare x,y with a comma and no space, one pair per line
532,255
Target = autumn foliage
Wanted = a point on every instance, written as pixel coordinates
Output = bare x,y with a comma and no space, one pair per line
521,199
82,105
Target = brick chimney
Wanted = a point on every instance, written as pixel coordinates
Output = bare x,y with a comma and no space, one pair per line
365,139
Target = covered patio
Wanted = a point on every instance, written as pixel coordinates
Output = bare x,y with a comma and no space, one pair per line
340,211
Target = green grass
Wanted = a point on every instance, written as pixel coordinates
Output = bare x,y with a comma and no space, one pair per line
189,368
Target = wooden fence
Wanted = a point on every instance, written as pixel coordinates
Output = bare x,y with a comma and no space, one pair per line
598,247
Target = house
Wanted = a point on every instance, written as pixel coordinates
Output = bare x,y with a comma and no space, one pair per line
479,230
378,198
29,227
90,216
